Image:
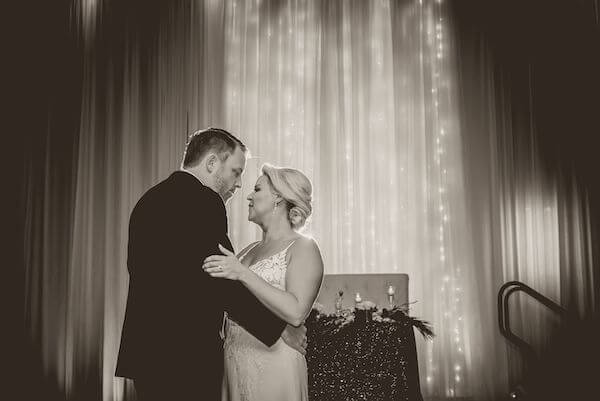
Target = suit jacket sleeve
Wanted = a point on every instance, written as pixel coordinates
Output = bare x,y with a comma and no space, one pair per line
248,311
236,299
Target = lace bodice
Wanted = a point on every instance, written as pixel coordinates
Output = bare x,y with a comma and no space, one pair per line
271,269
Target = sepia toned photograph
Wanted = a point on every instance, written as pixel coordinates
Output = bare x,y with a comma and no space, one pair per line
302,200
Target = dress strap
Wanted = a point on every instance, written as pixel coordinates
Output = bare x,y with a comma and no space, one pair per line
249,249
289,246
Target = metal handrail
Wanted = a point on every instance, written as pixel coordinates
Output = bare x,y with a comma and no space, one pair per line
503,316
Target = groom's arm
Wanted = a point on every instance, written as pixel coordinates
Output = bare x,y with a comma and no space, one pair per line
235,298
249,312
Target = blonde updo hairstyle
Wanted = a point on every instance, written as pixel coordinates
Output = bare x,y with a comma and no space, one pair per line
296,190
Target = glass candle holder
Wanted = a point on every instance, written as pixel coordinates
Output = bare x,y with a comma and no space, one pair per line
391,293
339,302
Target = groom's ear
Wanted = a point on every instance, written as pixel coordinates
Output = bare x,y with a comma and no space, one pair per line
211,162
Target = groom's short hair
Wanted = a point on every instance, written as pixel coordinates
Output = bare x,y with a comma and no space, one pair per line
204,141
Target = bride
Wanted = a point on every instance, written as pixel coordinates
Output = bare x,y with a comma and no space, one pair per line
284,271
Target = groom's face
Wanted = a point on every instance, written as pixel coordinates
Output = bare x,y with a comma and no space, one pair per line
228,177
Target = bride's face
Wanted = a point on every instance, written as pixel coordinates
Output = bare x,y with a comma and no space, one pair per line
261,200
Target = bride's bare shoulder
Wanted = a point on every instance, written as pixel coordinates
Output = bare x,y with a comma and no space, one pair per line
306,255
305,244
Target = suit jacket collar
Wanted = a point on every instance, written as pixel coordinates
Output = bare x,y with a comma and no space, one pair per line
190,173
189,177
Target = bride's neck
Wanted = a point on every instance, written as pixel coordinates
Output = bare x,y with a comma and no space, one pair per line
277,230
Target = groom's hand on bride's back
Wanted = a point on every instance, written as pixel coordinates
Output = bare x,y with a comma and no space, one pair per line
295,337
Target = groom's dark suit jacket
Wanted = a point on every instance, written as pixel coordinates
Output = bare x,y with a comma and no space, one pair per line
174,309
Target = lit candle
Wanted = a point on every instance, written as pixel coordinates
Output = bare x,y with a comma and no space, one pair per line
391,290
357,298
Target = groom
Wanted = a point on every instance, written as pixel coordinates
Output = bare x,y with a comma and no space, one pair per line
170,343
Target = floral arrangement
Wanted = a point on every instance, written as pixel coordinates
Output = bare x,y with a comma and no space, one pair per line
366,311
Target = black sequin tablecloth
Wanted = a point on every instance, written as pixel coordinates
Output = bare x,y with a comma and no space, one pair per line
371,361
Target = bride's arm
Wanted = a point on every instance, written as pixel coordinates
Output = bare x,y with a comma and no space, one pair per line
303,280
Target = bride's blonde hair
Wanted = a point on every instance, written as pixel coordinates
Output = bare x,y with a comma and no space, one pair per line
295,188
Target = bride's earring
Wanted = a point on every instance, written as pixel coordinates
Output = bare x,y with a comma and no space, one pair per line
274,209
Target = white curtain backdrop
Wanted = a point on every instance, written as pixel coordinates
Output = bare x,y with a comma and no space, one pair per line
361,96
364,97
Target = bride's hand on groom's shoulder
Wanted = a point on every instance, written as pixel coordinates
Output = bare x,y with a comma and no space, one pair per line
225,266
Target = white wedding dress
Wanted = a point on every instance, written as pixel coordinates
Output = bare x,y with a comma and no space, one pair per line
253,371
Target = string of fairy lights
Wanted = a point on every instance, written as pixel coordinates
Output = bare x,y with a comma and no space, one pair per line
450,329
